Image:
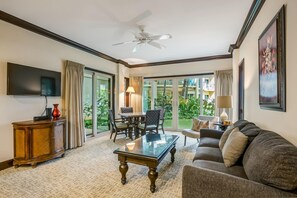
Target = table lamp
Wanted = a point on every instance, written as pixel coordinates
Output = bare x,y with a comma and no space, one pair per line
224,102
130,90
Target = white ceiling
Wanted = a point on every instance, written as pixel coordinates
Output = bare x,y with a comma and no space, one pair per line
199,27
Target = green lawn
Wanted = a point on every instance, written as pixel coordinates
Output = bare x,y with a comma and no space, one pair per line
182,123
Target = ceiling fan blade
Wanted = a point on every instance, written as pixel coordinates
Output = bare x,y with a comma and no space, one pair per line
161,37
140,17
135,49
126,42
157,45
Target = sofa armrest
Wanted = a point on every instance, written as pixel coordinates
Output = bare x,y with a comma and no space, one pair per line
213,133
199,182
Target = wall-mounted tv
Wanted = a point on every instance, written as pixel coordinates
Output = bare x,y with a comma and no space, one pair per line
25,80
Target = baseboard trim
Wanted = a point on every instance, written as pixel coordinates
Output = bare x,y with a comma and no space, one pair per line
6,164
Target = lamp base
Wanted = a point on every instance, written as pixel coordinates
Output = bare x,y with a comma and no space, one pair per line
223,116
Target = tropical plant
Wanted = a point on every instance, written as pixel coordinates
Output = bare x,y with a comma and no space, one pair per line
102,105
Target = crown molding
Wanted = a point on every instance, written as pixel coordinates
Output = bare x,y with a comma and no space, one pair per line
252,15
206,58
44,32
39,30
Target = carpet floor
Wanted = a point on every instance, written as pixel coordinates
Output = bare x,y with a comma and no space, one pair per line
93,171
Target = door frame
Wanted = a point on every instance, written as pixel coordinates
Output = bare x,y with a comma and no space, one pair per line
175,96
111,80
241,90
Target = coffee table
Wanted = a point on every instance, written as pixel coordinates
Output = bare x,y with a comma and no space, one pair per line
148,150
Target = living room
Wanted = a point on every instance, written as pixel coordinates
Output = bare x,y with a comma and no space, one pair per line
33,48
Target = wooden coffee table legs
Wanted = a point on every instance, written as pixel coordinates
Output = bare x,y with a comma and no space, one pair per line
123,169
172,151
153,175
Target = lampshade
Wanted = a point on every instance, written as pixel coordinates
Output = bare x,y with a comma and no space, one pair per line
130,89
224,101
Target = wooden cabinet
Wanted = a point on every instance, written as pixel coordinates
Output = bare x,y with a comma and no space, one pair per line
38,141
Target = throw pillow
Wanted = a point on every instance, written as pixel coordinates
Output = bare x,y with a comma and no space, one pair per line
234,147
204,124
195,126
224,137
199,124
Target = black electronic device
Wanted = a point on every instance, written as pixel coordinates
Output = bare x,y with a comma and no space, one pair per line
38,118
25,80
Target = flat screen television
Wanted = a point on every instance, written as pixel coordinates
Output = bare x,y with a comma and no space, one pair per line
25,80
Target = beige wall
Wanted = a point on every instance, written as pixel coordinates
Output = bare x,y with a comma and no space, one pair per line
283,123
183,68
123,73
24,47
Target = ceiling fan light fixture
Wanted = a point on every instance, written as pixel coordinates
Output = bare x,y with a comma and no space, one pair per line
165,36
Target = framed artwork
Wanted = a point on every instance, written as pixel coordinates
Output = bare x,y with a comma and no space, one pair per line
272,64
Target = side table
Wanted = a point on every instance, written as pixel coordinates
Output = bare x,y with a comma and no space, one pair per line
221,126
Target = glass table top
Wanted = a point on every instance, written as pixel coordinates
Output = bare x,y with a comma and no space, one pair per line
150,145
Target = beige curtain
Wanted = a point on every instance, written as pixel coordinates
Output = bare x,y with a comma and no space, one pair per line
223,87
136,98
74,75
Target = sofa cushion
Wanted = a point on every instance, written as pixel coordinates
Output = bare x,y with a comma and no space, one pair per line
234,147
225,137
220,167
209,153
209,142
241,123
250,130
271,160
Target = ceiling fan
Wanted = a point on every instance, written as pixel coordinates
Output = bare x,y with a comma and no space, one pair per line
143,38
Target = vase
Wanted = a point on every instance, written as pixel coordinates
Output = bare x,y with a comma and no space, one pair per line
56,112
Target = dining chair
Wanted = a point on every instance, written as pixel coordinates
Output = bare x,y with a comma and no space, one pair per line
161,122
118,126
126,109
150,123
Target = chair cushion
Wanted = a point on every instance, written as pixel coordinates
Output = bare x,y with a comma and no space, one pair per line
191,133
121,125
270,159
209,153
220,167
148,127
234,147
209,142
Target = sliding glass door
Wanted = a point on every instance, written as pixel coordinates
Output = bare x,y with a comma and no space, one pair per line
182,98
97,100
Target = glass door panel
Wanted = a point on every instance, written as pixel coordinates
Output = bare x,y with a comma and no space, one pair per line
182,98
97,100
163,97
189,101
208,96
147,92
103,103
87,101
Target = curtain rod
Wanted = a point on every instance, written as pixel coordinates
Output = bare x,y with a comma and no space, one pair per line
183,75
95,70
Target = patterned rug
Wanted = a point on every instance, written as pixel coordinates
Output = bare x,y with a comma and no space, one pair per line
92,171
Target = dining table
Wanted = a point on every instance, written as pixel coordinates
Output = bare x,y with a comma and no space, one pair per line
133,119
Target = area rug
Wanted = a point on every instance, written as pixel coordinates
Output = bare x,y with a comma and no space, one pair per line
93,171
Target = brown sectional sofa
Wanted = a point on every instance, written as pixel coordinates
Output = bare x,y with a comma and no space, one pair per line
267,168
